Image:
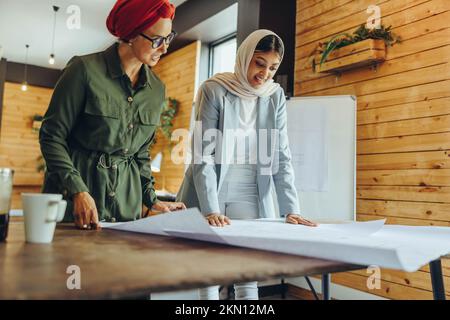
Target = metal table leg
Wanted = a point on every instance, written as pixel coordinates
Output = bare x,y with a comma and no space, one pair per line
283,289
326,286
437,280
312,288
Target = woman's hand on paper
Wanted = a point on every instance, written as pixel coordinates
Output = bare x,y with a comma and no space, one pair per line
297,219
163,206
85,211
217,220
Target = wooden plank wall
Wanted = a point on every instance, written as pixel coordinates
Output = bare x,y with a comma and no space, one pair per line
179,72
19,146
403,132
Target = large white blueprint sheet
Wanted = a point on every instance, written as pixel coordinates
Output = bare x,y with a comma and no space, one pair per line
364,243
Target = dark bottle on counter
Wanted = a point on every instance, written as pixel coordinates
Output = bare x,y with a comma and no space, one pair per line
4,223
6,184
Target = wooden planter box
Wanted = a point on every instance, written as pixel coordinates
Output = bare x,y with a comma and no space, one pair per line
360,54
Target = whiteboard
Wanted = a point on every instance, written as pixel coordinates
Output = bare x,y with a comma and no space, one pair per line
333,196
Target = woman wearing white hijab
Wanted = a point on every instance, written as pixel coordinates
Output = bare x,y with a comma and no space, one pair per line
231,177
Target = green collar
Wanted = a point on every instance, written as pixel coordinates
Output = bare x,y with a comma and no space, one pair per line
115,67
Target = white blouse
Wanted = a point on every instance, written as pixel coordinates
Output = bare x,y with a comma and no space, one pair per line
247,125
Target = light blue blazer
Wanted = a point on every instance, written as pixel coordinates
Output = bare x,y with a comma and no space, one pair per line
217,108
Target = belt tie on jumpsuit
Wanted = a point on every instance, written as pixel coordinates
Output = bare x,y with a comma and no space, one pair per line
113,162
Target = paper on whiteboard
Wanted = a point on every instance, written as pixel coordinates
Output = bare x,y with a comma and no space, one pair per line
309,148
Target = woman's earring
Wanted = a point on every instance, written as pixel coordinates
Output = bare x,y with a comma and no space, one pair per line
130,43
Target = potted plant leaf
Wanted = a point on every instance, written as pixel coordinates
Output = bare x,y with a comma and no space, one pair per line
169,112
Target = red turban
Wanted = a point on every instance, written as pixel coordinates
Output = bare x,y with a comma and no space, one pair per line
128,18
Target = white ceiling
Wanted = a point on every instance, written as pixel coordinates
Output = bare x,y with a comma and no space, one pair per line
31,22
208,30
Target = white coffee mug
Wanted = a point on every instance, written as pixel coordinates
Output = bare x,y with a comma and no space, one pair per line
41,211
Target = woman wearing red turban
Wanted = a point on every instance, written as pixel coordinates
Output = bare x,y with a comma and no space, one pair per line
102,117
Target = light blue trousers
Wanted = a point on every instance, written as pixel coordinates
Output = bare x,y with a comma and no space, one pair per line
238,199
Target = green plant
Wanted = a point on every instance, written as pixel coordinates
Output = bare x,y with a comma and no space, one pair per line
169,112
360,34
41,164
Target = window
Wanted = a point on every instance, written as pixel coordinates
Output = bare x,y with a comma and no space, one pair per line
223,55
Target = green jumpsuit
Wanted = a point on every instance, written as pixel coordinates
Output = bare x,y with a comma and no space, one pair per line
96,134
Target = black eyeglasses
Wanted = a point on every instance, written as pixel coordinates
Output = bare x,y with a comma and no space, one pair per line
158,41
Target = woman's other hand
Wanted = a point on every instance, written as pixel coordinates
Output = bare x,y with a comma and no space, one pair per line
85,211
163,206
217,220
297,219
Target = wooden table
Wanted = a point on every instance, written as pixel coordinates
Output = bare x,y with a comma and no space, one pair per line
116,264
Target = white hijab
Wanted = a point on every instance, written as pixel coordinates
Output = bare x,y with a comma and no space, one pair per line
237,82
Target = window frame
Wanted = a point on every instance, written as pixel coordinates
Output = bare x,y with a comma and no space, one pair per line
215,44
